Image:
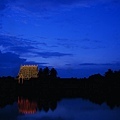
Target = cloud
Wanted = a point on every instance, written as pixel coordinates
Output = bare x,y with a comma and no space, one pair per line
0,26
21,49
10,58
3,4
12,43
36,63
88,40
27,49
92,47
56,3
44,5
19,45
85,43
68,64
96,64
88,64
1,15
67,43
52,54
9,63
17,40
63,39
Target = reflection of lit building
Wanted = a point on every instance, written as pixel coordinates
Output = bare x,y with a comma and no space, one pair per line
27,71
26,107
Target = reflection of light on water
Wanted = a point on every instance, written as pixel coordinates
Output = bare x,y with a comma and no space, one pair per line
26,107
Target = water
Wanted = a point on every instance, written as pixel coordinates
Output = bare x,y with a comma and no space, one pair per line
65,109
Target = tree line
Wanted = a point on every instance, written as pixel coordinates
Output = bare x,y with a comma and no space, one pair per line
47,73
97,88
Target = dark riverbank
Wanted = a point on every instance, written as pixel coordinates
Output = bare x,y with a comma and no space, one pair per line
96,88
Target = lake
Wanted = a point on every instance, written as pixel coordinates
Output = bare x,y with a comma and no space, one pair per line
64,109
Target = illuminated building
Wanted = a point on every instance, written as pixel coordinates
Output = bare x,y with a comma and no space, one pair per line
27,71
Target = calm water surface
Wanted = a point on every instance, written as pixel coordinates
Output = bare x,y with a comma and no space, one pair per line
67,109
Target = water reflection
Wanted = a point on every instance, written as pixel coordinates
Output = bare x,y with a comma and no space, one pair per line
49,108
47,104
74,109
31,106
26,106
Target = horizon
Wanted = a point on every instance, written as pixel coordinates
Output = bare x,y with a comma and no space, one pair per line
71,73
77,38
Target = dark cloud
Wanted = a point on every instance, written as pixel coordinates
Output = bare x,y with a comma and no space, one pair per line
3,4
1,26
40,43
44,38
91,44
88,64
68,64
46,4
10,58
63,39
10,63
85,43
25,46
18,44
86,47
13,41
22,49
92,47
116,1
56,3
86,40
90,40
36,63
88,43
52,54
67,43
53,46
50,3
96,64
8,40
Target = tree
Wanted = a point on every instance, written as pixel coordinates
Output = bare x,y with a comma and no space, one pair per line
53,73
109,73
46,72
40,73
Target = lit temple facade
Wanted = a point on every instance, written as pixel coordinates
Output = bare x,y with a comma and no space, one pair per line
27,71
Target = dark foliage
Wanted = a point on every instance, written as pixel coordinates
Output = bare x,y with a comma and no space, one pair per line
48,87
47,74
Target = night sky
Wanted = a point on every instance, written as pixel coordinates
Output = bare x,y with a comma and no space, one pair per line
77,37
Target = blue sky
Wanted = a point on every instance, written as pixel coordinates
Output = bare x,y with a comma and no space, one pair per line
71,35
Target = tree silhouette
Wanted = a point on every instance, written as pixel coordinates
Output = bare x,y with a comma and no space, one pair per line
53,73
95,77
40,73
117,75
109,74
46,72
